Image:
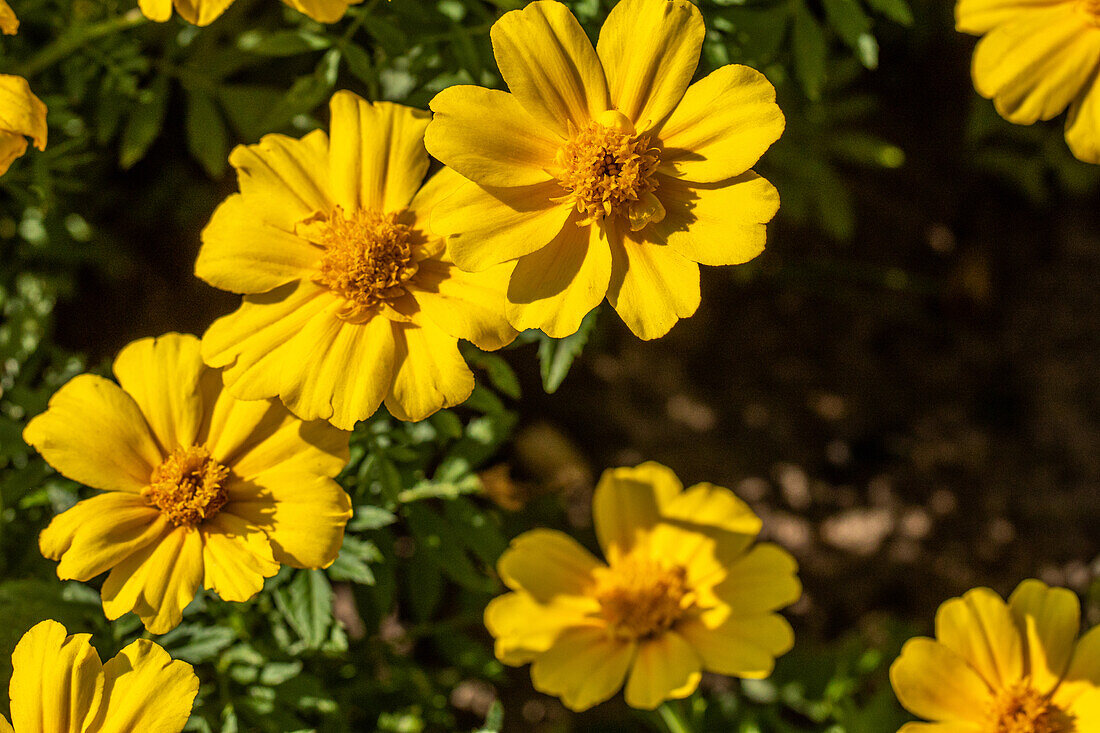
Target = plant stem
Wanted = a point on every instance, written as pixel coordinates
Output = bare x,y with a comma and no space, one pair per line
673,718
76,38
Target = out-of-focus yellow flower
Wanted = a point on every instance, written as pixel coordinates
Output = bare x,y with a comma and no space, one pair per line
681,592
603,173
59,685
350,299
1035,58
205,12
9,24
202,489
22,115
1003,668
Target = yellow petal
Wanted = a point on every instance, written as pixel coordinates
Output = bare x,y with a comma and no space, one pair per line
1033,75
157,11
302,514
99,533
467,305
550,66
158,581
236,557
487,227
743,647
9,24
981,16
666,667
627,502
12,147
94,433
1084,668
376,153
652,287
486,135
941,728
56,685
284,180
524,628
716,223
761,580
1083,126
1050,619
554,288
546,563
722,126
1085,710
322,11
145,690
429,373
5,726
199,12
935,683
716,511
649,50
980,628
21,115
242,253
584,667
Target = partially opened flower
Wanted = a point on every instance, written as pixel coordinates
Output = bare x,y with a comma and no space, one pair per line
1003,668
60,685
1037,57
201,489
350,299
205,12
682,591
602,172
22,115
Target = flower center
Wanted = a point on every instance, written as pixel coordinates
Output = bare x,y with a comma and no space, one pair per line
640,597
1020,709
367,258
608,170
187,486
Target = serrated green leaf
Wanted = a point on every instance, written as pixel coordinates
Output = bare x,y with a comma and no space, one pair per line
556,356
306,604
371,517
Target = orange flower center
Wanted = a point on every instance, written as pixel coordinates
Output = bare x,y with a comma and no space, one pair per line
640,597
187,486
1020,709
608,170
367,258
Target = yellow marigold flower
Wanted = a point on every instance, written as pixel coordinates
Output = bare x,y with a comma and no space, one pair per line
205,12
603,173
59,685
1035,58
201,488
22,115
1003,668
350,299
681,592
9,24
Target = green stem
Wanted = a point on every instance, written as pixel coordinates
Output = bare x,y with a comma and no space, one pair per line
77,37
673,718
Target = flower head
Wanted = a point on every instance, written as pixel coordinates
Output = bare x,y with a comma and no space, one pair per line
22,115
997,667
350,299
1037,58
602,172
59,685
201,489
681,591
205,12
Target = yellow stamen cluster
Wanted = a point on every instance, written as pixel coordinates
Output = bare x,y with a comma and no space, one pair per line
367,259
1022,709
188,486
608,170
640,597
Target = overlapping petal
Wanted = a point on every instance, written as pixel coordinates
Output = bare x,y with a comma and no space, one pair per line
938,684
145,690
56,684
652,286
665,667
584,667
429,373
22,115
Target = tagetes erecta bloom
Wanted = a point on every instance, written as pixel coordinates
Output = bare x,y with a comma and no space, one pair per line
681,592
60,685
1037,57
205,12
350,299
1003,668
603,173
202,489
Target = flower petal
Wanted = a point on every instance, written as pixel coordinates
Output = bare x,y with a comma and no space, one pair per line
743,647
199,12
1083,125
486,135
467,305
627,502
94,433
158,581
980,16
22,114
145,690
649,50
584,667
652,287
935,683
979,627
376,153
487,227
524,628
5,726
56,686
666,667
761,580
284,180
322,11
1085,710
9,23
429,373
546,563
236,557
1050,619
554,288
722,126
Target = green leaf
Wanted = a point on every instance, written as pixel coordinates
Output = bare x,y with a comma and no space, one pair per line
809,49
207,138
500,373
556,356
306,604
494,720
896,10
445,546
371,517
352,564
199,643
282,43
144,123
854,28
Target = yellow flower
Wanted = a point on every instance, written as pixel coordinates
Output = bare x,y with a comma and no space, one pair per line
603,173
59,685
205,12
22,115
349,298
1003,668
1035,58
9,24
681,592
201,488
